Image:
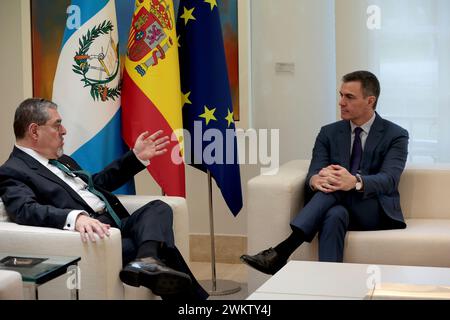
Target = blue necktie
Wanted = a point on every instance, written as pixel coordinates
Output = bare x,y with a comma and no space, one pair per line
357,151
91,187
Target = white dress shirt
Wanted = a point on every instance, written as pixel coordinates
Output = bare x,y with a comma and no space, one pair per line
77,184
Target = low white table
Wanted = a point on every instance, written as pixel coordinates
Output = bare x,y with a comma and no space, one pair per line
307,280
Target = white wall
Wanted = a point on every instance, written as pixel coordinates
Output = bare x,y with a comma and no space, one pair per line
352,38
352,53
15,75
299,32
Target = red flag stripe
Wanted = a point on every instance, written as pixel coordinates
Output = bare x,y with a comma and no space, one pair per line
139,114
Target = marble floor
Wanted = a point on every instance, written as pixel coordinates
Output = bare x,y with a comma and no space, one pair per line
237,273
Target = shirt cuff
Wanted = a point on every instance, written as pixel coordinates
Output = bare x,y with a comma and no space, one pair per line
146,163
72,218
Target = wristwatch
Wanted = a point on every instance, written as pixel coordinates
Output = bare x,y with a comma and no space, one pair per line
359,183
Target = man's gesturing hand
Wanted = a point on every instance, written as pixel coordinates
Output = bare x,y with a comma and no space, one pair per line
148,146
87,226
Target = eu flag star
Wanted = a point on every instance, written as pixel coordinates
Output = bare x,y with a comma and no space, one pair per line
229,118
185,99
213,3
187,15
208,115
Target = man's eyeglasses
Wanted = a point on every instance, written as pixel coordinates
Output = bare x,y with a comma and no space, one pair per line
57,127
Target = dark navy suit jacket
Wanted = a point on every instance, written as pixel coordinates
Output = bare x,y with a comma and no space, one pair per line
384,157
33,195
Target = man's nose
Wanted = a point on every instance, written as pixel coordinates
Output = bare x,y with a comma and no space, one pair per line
63,130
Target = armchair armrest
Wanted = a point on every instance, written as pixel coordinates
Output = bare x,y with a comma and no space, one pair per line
11,287
272,202
100,261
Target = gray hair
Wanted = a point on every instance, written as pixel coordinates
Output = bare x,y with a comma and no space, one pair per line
33,110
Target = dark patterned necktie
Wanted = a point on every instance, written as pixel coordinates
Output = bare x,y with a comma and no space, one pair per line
357,151
91,187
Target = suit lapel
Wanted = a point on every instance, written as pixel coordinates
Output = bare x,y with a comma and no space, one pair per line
46,173
373,139
344,141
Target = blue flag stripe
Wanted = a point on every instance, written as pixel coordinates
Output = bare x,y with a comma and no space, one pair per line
104,148
88,9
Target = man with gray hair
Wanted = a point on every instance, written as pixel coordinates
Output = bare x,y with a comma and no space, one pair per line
40,186
352,182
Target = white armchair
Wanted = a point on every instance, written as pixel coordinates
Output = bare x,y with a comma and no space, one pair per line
11,287
100,262
273,201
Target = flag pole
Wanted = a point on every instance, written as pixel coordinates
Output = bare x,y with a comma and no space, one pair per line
216,287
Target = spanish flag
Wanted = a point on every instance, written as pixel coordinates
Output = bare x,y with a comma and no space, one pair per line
151,95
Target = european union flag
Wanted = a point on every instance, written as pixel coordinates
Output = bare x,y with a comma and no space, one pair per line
207,104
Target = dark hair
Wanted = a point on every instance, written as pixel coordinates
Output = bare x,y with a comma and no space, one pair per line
369,83
33,110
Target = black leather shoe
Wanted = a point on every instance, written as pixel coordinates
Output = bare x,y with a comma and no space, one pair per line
155,275
267,261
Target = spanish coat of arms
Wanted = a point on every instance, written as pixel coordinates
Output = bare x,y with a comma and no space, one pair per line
148,34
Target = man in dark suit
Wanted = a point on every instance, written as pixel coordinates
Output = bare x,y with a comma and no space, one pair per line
40,186
352,182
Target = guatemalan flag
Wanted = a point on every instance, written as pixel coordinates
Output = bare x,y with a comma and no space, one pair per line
87,86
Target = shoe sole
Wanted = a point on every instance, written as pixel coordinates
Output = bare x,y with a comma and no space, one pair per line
161,283
130,277
256,266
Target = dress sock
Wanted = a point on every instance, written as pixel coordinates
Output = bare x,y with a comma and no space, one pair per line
288,246
149,249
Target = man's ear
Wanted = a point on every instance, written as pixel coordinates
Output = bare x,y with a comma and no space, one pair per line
371,100
33,131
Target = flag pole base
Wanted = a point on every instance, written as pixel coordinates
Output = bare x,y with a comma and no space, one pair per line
222,287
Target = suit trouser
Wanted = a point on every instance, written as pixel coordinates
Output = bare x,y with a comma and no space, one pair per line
331,215
154,222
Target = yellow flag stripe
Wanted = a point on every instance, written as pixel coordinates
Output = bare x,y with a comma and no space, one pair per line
161,83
